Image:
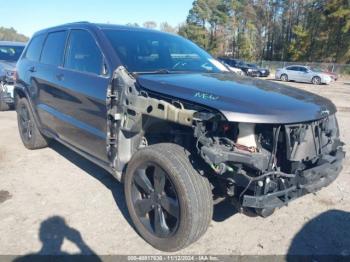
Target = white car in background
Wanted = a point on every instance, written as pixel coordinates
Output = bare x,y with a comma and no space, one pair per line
234,70
300,73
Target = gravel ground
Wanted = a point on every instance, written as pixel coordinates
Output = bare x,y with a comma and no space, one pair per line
53,201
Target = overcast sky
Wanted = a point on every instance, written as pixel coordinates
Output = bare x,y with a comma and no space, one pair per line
29,16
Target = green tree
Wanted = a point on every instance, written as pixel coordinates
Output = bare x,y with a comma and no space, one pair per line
196,33
297,30
10,34
205,24
300,44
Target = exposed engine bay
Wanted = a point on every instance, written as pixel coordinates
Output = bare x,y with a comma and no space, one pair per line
263,166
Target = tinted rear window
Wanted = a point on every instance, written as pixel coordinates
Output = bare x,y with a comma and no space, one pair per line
34,48
54,48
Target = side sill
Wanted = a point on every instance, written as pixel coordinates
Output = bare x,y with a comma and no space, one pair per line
106,166
93,159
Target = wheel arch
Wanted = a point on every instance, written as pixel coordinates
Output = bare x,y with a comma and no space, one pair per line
316,76
20,93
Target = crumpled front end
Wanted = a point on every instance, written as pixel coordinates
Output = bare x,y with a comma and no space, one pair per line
6,91
266,166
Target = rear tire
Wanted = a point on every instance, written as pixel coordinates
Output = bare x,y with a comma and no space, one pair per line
316,80
28,130
284,78
189,192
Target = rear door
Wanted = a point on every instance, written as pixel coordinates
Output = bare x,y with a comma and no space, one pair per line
82,100
27,67
47,80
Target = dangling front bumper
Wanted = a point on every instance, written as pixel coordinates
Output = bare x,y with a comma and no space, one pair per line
308,181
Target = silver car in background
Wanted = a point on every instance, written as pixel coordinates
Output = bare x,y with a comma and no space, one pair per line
9,54
300,73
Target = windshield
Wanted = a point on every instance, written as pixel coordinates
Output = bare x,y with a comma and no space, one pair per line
10,53
242,64
152,52
252,65
316,69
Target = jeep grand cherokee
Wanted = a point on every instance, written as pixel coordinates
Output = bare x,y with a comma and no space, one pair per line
166,119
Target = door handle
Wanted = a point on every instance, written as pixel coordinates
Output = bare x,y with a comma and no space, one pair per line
60,77
32,69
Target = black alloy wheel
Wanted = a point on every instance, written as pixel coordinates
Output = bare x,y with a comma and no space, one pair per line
28,130
169,202
155,200
25,123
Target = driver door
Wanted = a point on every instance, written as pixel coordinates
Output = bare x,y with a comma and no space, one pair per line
304,74
82,95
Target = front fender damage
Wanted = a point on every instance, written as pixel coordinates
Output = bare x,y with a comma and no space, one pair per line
127,104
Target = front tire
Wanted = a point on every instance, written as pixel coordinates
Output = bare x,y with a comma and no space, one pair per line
316,80
28,130
169,203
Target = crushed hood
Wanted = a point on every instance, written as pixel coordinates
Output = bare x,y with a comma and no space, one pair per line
241,99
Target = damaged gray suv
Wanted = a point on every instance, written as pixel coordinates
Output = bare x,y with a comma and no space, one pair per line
167,120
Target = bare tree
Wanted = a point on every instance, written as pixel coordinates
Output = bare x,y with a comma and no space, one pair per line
165,27
150,24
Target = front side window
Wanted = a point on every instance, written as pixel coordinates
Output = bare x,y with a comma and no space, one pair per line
54,48
34,49
147,52
83,54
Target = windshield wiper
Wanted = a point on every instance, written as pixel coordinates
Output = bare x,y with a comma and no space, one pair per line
160,71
